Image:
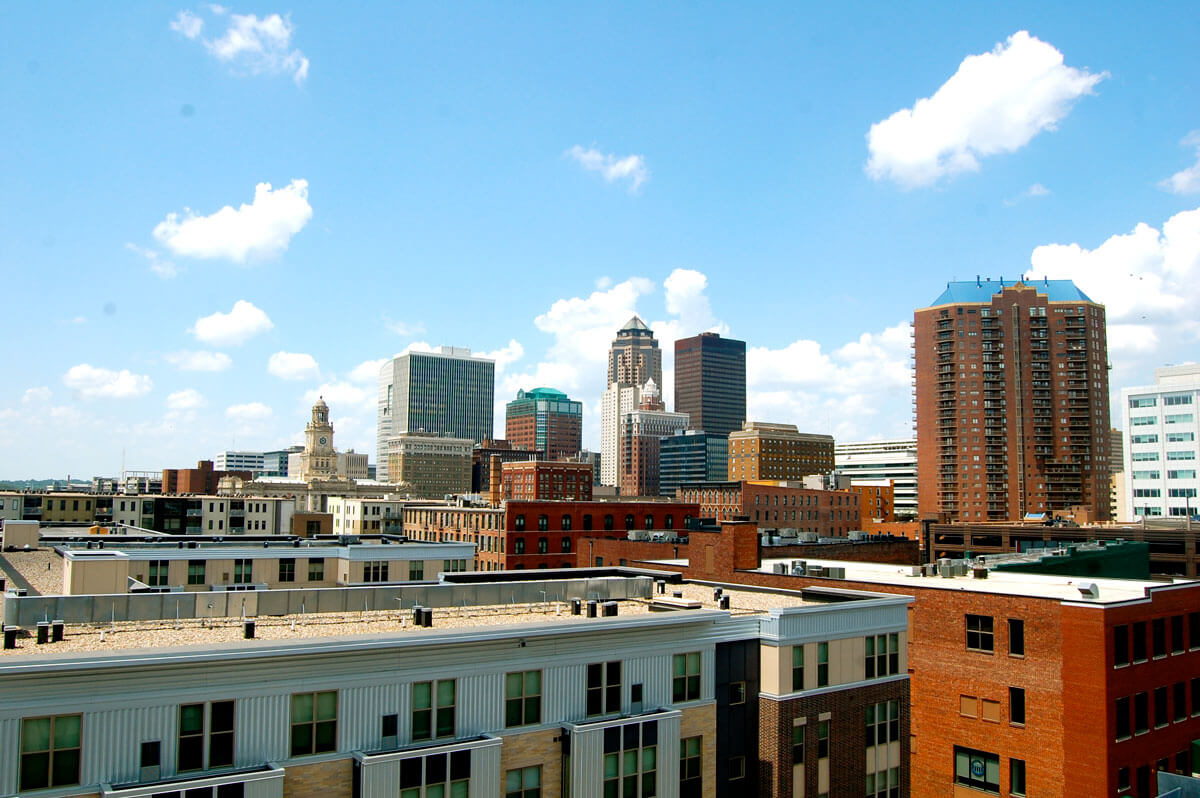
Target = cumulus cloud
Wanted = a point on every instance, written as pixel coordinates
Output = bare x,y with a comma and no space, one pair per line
187,399
262,229
39,395
613,168
368,371
1149,282
343,397
293,366
1186,181
233,328
186,360
995,102
505,355
91,382
249,44
249,412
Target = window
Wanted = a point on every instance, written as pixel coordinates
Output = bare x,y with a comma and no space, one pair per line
565,523
1016,705
1180,701
287,569
518,545
883,655
1160,707
737,693
1193,630
195,572
690,774
523,782
631,760
1016,637
50,751
1122,717
884,783
685,677
436,776
1180,437
519,523
883,723
158,573
976,769
522,698
797,667
629,521
543,523
416,570
822,664
979,633
1139,641
608,523
603,688
316,569
314,722
243,571
1158,634
566,544
198,721
431,722
1016,777
543,545
737,768
375,571
798,744
1141,713
822,739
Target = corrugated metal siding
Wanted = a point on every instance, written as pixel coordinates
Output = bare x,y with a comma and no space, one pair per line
112,742
362,709
563,692
479,704
485,773
587,764
668,756
263,729
10,741
654,674
381,775
832,624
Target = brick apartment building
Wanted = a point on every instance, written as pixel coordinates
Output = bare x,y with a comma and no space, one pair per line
777,451
201,479
481,460
876,501
547,420
1011,401
556,480
826,513
1022,684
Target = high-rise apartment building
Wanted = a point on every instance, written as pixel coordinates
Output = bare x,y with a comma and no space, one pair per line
1162,453
447,392
1011,401
710,382
635,356
618,401
642,431
778,452
547,420
868,462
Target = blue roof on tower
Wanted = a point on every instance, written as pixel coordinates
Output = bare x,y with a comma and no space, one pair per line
982,291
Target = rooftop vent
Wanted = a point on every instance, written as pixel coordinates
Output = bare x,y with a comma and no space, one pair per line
1088,590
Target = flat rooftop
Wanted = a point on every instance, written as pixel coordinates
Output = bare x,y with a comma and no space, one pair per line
1009,583
227,633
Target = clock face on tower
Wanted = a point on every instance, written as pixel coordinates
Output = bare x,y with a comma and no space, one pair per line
322,440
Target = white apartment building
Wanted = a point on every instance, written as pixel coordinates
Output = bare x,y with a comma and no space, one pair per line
619,400
1162,454
358,516
239,461
867,462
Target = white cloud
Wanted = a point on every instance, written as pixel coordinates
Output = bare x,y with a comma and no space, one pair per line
249,412
199,361
505,355
994,103
1186,181
368,371
1037,190
163,268
259,230
1149,283
232,328
250,44
630,168
188,24
343,397
404,328
92,383
293,366
417,346
187,399
39,395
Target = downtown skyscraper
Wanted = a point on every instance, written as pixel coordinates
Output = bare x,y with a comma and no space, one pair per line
1011,402
710,382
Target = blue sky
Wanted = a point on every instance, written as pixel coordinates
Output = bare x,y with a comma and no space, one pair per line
520,180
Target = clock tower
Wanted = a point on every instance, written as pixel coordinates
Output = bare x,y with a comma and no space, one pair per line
320,458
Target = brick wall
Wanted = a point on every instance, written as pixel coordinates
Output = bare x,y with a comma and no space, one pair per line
535,748
319,780
702,722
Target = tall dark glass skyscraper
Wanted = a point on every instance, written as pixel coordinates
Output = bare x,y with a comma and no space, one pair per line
447,393
710,382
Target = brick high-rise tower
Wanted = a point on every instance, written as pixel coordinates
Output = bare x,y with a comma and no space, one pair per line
635,356
1011,401
710,382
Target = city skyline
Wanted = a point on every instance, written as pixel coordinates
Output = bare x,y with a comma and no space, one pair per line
203,236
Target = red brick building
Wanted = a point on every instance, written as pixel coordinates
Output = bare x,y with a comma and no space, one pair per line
876,502
546,480
1011,402
827,513
546,420
545,534
1023,684
202,479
